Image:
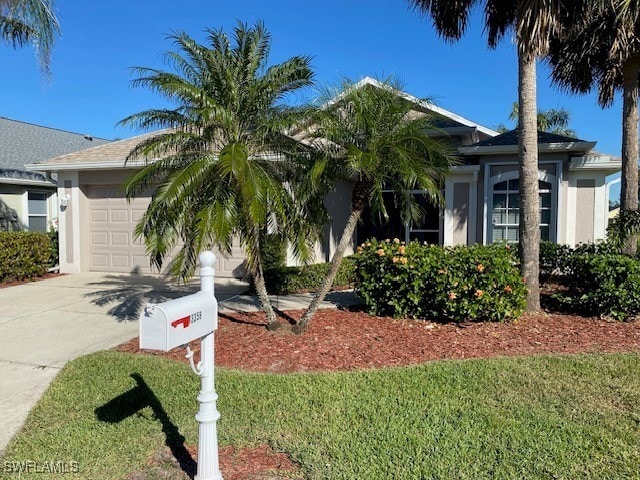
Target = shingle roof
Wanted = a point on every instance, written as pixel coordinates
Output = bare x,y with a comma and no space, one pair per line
111,152
23,143
511,138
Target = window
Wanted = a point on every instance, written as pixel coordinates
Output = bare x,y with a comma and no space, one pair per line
505,211
37,208
428,230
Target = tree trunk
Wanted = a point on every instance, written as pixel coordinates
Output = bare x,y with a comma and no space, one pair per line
257,274
359,199
629,180
261,290
529,196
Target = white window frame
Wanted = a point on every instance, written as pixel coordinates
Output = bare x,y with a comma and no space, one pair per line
28,214
556,192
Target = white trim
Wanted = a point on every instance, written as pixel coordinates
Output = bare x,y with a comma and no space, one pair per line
600,209
29,183
513,174
447,234
417,101
542,147
472,234
115,164
485,212
572,202
594,162
73,207
465,169
559,199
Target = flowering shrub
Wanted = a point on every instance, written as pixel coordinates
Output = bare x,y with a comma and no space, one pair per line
478,283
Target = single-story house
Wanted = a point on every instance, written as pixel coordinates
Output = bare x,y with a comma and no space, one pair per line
28,199
481,198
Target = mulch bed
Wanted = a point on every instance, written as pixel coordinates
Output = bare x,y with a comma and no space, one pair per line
351,339
13,283
344,340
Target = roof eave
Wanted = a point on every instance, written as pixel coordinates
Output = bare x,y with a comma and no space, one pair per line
105,165
543,147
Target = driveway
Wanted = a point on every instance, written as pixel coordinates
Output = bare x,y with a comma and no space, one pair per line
45,324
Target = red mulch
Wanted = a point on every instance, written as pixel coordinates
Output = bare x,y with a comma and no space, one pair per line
13,283
350,340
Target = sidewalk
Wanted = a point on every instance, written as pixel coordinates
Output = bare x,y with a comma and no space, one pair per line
250,303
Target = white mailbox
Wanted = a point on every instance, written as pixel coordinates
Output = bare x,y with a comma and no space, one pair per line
167,325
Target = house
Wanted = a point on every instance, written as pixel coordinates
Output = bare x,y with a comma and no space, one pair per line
28,199
481,197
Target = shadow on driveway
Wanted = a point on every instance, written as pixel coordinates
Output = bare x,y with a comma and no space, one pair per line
130,293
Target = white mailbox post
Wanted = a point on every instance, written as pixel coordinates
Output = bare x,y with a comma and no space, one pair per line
177,322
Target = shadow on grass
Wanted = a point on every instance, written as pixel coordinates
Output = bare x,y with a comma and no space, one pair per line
134,400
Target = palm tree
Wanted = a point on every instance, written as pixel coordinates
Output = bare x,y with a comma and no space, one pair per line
220,160
369,135
30,21
534,23
553,120
603,50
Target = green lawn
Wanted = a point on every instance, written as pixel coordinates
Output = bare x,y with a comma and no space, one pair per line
536,417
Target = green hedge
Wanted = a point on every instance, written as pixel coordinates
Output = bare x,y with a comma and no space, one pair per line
286,280
602,284
24,255
477,283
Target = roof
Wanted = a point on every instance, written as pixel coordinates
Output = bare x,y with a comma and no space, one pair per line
447,118
507,143
108,155
511,138
24,143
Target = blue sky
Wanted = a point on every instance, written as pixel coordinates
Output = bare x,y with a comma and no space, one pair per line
90,90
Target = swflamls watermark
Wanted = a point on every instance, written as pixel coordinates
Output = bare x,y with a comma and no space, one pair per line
37,466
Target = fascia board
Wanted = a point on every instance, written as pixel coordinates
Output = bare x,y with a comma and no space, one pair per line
32,183
417,101
54,167
548,147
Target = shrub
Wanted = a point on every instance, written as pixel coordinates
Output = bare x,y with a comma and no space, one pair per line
286,280
273,251
554,259
603,284
477,283
55,245
23,255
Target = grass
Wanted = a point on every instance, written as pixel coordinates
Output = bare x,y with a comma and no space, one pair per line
535,417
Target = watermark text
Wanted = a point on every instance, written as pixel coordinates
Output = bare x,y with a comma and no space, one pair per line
46,466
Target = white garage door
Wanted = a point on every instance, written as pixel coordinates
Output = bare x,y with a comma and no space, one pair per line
112,247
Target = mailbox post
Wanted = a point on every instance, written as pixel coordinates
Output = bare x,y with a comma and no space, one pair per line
177,322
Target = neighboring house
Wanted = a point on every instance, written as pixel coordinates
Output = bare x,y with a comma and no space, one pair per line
28,199
481,198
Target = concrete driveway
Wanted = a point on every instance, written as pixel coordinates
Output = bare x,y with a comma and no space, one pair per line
45,324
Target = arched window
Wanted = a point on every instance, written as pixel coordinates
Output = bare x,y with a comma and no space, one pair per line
505,207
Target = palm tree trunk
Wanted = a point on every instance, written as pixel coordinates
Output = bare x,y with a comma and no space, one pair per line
263,296
359,199
529,197
257,274
629,181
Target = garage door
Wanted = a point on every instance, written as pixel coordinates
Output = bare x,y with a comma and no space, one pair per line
112,247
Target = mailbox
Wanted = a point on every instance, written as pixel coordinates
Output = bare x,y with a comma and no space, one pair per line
167,325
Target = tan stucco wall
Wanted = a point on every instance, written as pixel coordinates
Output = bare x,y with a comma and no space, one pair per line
460,213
